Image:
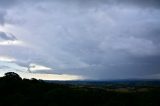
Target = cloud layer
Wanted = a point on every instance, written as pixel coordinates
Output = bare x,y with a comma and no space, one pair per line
96,39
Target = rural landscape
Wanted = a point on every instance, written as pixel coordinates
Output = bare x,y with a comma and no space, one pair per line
16,91
79,52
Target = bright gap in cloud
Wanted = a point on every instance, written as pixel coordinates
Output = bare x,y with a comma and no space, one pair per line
62,77
36,67
50,76
10,42
7,59
12,67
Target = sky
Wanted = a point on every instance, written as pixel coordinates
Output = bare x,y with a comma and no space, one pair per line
80,39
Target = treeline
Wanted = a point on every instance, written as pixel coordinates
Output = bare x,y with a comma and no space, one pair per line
15,91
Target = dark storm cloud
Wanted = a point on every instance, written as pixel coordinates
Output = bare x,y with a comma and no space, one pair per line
99,39
7,3
142,3
139,3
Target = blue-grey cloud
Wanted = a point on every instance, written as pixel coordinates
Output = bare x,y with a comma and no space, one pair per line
88,3
8,3
2,19
5,36
98,39
4,6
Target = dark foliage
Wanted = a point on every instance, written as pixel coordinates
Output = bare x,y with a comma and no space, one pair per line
15,91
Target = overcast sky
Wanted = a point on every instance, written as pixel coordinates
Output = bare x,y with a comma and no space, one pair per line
80,39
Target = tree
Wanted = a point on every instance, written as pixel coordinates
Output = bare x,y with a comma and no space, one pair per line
12,76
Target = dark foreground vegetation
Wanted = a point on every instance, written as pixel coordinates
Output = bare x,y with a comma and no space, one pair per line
15,91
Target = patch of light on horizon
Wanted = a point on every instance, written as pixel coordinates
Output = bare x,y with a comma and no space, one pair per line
12,67
51,76
62,77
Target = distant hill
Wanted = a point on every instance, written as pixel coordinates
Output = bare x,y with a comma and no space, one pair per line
123,83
